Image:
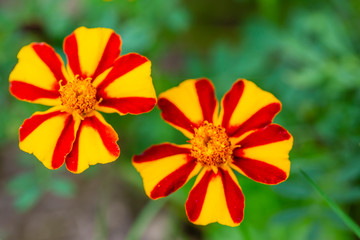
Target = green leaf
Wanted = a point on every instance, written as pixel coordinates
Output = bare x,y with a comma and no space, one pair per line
27,199
21,183
346,219
62,187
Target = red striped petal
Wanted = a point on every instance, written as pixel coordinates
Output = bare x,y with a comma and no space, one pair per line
49,136
188,105
34,122
73,158
172,114
230,101
111,52
50,58
28,92
246,107
216,197
196,197
207,98
64,143
132,105
260,171
234,197
270,134
264,155
165,168
260,119
90,51
106,132
123,65
160,151
173,181
94,143
127,87
65,140
37,74
71,51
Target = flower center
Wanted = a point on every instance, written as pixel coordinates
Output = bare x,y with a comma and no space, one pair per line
211,145
78,95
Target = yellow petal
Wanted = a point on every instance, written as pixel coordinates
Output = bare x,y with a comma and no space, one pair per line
246,107
95,143
127,87
49,136
36,76
216,197
264,155
165,168
185,107
90,51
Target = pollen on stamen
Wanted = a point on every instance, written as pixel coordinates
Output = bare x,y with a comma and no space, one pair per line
78,95
210,145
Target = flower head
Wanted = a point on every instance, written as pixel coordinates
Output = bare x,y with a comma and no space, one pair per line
96,79
241,138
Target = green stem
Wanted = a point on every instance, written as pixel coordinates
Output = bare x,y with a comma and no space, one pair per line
145,217
346,219
102,224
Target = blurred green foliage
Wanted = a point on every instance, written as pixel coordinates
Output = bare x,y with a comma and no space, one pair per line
305,52
27,188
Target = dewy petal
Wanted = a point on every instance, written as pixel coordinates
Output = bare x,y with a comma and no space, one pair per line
246,107
188,105
49,136
36,76
264,155
165,168
127,87
90,51
216,197
95,143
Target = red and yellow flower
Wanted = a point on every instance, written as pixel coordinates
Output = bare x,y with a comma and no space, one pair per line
242,138
96,79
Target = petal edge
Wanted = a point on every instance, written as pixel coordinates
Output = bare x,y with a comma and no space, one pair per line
165,168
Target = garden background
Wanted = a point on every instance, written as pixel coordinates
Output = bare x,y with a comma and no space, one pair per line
307,53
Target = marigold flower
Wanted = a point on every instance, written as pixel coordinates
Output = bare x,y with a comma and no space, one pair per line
96,79
241,138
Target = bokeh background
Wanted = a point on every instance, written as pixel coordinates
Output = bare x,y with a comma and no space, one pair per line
305,52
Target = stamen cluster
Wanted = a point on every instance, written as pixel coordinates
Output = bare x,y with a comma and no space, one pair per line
78,95
210,145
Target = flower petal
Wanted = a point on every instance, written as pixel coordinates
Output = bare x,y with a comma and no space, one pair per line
127,87
188,105
216,197
264,155
36,76
90,51
49,136
165,168
246,107
95,143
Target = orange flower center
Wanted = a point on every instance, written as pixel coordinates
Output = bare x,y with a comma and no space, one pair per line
211,145
78,95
